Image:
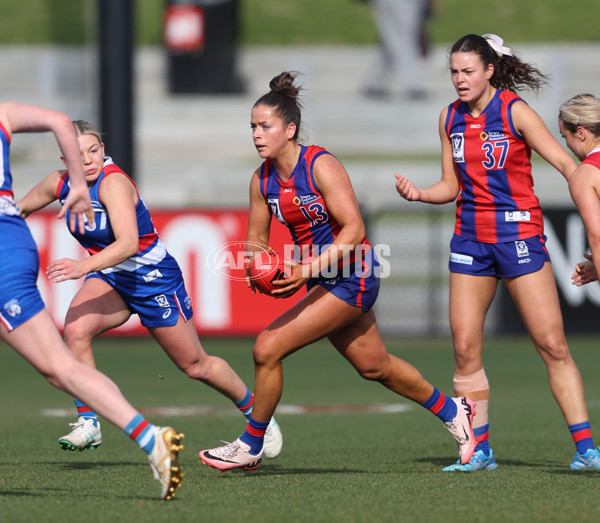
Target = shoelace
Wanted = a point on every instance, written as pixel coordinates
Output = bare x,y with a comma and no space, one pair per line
230,449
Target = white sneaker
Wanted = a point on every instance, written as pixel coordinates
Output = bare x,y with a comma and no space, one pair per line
164,460
234,455
461,428
85,435
273,440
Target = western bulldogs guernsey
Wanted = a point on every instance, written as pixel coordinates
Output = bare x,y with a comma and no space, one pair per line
147,273
298,204
496,201
14,233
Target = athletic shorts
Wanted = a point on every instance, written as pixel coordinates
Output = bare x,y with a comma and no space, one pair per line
160,310
359,288
502,260
20,298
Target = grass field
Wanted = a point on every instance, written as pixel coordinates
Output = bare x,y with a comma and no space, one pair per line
351,467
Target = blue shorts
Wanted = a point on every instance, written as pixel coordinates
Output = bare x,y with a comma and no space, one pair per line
160,310
359,288
20,298
502,260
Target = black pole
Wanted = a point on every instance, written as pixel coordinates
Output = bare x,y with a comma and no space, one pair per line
115,34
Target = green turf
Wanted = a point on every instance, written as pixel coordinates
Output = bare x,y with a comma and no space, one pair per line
342,467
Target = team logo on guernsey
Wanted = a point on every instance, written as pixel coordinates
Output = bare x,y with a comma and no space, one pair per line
458,147
162,301
522,249
13,308
152,275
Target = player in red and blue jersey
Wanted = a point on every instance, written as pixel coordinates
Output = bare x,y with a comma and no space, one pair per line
579,122
25,323
487,137
129,271
308,189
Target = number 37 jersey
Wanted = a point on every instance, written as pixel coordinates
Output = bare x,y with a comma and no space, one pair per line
496,201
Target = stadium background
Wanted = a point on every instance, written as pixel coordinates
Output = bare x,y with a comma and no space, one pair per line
193,152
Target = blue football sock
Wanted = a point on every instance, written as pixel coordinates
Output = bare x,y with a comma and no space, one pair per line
482,435
255,435
582,436
142,432
245,404
83,411
441,405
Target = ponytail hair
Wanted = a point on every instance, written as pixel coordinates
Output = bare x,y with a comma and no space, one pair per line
510,73
283,98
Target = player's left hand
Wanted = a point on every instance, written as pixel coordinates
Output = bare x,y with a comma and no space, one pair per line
292,283
585,271
78,201
65,269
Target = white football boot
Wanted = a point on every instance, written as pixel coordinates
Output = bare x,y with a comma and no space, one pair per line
85,435
234,455
164,460
461,428
273,440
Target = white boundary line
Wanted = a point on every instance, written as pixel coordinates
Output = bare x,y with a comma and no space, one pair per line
288,410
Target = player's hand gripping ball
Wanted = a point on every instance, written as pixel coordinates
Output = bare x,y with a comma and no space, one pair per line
265,268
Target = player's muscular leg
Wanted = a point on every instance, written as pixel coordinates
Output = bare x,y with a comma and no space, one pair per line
96,308
536,298
311,319
361,344
180,342
470,299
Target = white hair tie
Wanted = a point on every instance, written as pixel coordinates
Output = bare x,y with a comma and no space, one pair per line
495,43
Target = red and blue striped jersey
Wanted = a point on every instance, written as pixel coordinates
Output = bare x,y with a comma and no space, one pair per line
593,158
298,204
496,201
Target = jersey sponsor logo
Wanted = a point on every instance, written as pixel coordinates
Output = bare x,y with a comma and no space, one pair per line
475,126
162,301
461,258
296,200
458,147
13,308
308,198
522,249
517,216
152,275
492,136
